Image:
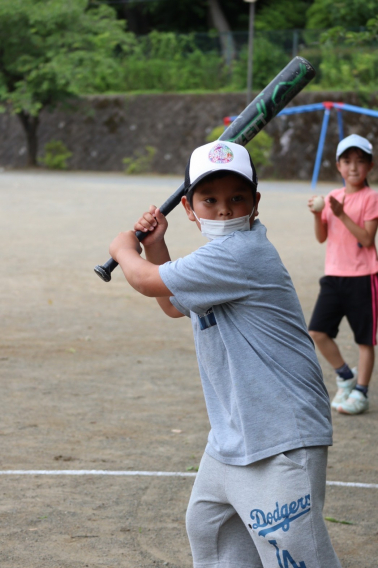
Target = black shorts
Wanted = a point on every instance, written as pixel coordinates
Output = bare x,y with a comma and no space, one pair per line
355,297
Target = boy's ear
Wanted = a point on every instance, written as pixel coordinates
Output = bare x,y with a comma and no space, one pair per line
257,201
187,208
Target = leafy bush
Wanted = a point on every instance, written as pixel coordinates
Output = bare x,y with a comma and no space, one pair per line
323,14
140,163
268,60
170,62
355,71
259,147
55,155
350,59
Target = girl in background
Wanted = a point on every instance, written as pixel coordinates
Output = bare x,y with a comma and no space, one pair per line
349,288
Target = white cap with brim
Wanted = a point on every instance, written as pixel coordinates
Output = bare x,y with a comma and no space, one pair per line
354,141
219,156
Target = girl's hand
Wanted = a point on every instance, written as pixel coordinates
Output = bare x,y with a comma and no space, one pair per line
310,205
154,223
124,241
337,207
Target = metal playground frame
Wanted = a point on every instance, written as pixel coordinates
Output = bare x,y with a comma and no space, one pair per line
326,107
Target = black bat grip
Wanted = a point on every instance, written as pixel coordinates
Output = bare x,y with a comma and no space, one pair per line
105,271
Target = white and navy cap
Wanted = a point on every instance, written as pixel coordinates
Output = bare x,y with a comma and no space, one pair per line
354,141
219,156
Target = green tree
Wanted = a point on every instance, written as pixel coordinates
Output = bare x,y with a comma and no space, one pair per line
324,14
366,37
350,57
278,15
52,50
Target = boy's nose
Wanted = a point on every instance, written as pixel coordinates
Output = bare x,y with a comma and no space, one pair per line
225,211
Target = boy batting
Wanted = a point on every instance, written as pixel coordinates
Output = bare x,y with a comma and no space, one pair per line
258,497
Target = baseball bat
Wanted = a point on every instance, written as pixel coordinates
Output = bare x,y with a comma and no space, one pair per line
284,87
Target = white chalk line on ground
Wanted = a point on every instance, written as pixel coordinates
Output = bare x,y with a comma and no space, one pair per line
147,473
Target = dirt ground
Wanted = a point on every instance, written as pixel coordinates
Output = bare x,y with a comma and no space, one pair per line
95,377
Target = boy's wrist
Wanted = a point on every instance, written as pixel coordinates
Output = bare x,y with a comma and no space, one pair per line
157,252
155,245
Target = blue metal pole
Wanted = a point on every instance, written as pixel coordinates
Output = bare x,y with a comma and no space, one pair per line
301,108
341,128
319,153
359,110
340,123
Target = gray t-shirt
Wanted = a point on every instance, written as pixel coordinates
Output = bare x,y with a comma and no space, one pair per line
262,382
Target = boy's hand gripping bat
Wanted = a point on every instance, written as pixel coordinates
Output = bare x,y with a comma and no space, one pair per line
284,87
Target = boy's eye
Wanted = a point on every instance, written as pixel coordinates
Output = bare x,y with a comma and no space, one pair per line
238,198
210,200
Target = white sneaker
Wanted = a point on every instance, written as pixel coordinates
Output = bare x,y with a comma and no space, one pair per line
356,403
344,389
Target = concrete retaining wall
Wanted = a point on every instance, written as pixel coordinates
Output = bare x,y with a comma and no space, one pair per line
102,130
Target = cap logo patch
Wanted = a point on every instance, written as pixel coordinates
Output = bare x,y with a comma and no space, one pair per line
221,154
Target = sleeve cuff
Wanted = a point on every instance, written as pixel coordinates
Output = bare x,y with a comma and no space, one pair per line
179,306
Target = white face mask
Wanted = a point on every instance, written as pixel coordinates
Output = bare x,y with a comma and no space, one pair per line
214,229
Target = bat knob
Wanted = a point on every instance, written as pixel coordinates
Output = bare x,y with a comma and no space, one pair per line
103,273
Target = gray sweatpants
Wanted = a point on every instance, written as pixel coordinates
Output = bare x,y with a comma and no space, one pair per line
264,515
